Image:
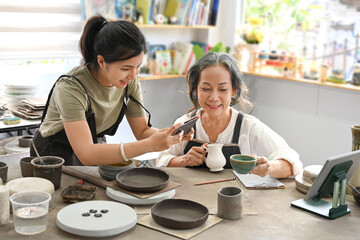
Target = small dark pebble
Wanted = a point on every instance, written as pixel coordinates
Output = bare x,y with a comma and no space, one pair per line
104,211
86,214
92,210
97,215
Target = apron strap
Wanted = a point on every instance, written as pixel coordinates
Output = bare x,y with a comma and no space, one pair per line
52,89
237,128
89,114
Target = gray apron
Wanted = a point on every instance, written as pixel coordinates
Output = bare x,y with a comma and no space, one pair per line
58,144
227,150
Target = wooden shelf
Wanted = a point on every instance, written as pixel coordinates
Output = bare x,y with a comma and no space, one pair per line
156,77
169,26
346,86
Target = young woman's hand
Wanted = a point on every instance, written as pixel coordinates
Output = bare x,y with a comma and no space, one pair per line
163,138
189,136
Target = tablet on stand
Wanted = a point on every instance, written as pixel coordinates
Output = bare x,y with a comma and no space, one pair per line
331,180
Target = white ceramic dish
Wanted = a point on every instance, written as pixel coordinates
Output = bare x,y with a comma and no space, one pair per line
13,147
131,200
147,156
118,219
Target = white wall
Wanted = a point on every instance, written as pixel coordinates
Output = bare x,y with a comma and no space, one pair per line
314,120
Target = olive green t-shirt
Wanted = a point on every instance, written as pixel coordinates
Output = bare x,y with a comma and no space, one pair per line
69,102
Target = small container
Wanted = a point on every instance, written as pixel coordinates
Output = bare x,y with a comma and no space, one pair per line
30,211
50,169
323,73
27,169
229,204
4,205
356,194
25,141
3,171
356,75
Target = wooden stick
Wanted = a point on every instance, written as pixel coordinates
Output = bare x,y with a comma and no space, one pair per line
216,181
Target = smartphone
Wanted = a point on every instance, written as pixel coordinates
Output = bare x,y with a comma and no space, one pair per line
187,126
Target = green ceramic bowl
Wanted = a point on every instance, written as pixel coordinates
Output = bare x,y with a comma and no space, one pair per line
242,164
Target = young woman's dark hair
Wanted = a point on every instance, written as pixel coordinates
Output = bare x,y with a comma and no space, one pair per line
115,41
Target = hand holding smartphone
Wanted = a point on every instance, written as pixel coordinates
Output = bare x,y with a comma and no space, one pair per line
187,125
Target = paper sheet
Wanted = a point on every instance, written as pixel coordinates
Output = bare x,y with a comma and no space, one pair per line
252,181
147,221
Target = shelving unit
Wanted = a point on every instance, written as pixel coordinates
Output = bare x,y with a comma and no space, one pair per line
188,32
155,77
276,60
169,26
167,34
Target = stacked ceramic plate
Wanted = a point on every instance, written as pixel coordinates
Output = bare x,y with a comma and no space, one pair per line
109,172
304,181
14,93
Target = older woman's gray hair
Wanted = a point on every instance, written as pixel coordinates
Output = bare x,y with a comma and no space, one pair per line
211,59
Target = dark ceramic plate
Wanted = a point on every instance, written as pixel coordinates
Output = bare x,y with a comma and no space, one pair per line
179,213
142,179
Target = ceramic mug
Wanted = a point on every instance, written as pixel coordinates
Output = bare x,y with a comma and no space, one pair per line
355,179
355,130
3,171
229,204
242,164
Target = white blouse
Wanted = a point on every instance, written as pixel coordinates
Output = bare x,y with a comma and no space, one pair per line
255,139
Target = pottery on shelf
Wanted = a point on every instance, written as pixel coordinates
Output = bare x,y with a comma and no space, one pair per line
252,49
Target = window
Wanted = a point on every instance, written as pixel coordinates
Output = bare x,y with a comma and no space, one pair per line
310,29
33,29
38,42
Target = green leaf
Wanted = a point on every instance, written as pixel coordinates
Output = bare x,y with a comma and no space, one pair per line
198,51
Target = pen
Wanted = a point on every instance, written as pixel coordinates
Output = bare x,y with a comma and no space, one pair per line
215,181
265,187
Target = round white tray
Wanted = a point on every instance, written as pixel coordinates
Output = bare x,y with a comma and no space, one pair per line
118,219
131,200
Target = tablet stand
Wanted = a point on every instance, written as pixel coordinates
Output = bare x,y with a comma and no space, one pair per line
334,183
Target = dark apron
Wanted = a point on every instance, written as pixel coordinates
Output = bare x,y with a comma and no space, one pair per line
58,144
227,150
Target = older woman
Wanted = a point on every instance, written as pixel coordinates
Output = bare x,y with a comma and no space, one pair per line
214,84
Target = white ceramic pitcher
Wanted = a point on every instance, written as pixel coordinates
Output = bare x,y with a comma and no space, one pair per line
215,159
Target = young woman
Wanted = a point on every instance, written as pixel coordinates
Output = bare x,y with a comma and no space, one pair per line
214,84
92,99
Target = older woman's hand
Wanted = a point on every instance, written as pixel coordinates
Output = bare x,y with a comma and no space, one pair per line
262,168
194,157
